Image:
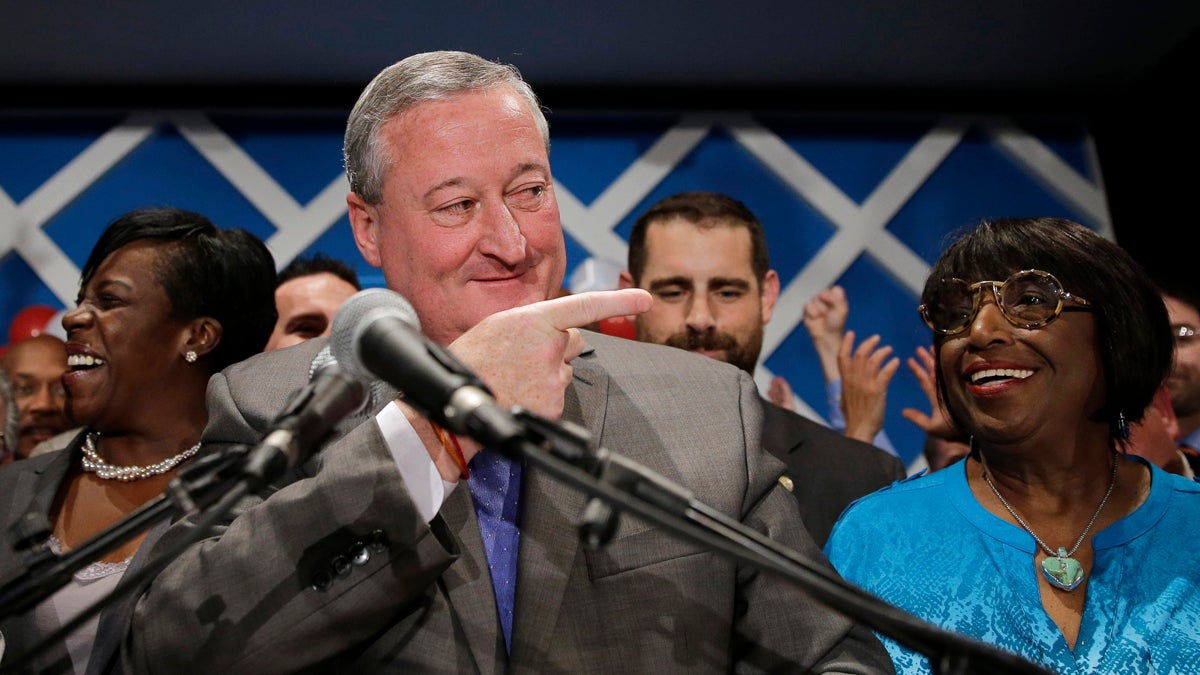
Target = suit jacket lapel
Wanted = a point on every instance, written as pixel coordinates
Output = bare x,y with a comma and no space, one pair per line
549,540
467,582
779,436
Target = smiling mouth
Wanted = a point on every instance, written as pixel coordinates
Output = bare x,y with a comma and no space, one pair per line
997,375
40,433
83,361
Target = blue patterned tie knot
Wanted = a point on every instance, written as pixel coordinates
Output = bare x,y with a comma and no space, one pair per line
498,508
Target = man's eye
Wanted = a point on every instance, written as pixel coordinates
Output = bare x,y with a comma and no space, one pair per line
307,329
529,197
458,208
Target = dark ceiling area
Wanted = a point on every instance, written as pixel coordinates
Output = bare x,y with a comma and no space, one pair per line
1127,67
764,45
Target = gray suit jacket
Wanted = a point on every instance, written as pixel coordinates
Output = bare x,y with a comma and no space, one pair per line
338,573
828,470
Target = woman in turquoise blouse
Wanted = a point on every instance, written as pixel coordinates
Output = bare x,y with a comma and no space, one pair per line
1047,540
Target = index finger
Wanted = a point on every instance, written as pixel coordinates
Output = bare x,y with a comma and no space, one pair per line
581,309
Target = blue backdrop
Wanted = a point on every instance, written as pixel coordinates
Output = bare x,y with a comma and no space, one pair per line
862,201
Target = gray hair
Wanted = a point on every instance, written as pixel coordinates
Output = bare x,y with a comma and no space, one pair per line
429,76
11,415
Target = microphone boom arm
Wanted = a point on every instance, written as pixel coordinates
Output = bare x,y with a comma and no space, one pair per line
617,483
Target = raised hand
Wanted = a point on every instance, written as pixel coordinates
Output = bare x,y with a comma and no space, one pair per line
825,319
779,392
524,354
866,372
936,422
944,444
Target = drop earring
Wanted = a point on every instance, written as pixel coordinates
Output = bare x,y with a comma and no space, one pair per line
1122,425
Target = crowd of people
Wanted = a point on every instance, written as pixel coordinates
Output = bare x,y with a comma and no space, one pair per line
1064,410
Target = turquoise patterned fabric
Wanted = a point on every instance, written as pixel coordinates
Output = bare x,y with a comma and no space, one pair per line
927,546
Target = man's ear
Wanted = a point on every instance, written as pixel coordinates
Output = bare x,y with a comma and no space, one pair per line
625,280
364,221
770,293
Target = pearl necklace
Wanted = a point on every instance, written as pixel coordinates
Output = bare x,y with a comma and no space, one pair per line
93,462
1060,569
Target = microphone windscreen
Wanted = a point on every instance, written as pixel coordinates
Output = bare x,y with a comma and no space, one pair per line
322,359
355,316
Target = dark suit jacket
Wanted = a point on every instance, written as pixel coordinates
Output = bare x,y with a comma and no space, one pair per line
30,485
827,469
339,573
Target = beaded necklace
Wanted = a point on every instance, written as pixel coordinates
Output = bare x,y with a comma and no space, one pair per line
93,462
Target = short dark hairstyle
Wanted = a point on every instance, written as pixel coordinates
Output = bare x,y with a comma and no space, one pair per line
1133,332
698,207
1180,288
226,274
316,264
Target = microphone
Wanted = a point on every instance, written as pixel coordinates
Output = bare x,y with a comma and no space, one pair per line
376,333
306,420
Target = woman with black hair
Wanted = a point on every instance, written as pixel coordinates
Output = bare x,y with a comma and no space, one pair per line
1047,539
166,299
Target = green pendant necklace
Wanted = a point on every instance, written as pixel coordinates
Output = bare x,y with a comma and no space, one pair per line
1060,569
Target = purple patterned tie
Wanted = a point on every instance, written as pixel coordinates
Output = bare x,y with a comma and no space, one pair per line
498,508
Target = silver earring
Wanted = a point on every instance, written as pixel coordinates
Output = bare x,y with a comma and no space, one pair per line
190,356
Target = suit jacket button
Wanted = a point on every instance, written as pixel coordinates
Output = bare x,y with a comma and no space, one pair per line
787,483
322,580
341,566
377,542
359,555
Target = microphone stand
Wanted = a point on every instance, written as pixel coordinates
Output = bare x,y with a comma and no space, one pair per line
617,484
213,479
224,478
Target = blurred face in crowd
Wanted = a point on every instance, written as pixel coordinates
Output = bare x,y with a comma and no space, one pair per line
469,224
36,365
1155,437
706,297
306,307
1184,380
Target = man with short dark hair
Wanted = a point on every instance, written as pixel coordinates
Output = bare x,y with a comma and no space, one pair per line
703,256
308,293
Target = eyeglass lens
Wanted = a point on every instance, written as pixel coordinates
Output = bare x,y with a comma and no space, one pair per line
1027,299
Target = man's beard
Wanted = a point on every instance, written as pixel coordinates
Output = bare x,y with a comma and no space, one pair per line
744,356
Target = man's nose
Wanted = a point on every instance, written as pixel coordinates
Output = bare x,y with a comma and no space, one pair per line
700,316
